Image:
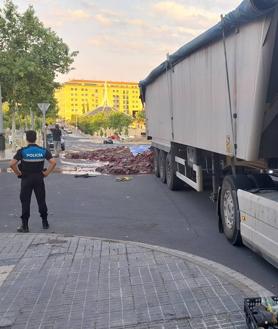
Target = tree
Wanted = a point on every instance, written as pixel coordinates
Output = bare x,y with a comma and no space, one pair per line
141,116
119,121
100,122
31,56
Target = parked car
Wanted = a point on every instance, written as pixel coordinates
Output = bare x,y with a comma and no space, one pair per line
50,143
108,141
68,131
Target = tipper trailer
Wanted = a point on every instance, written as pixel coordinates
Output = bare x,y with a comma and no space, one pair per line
212,116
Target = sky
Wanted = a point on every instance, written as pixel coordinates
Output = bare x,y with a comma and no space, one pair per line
123,40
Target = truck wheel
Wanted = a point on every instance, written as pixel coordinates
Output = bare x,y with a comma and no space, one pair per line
156,162
230,214
162,166
171,179
230,211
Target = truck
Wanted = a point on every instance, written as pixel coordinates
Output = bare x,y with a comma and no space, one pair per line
212,116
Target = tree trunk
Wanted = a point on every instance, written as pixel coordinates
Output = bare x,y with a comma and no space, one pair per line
32,119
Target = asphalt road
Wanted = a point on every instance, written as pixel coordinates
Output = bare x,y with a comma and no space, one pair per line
142,210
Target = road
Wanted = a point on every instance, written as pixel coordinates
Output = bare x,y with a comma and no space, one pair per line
142,210
78,142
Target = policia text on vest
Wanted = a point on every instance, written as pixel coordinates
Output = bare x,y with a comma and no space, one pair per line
28,164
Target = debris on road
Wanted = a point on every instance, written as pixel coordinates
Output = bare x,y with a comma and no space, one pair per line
121,160
139,149
86,175
123,179
103,154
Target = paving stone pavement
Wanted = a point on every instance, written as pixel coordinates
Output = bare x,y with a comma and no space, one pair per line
66,282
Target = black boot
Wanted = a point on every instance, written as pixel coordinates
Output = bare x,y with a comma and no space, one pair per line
23,228
45,224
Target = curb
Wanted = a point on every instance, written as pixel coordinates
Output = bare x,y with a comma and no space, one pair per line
239,280
236,278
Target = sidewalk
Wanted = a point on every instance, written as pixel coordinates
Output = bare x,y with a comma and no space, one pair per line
65,282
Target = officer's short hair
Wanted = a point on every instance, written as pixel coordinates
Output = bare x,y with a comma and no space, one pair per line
31,136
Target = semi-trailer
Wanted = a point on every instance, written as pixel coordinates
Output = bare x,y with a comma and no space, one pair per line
212,115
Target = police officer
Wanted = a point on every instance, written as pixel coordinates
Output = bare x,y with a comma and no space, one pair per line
28,164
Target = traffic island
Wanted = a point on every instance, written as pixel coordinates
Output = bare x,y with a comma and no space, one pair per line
57,281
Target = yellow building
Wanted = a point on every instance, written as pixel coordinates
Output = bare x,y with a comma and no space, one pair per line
77,97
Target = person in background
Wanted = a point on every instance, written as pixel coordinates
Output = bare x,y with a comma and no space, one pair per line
57,135
28,164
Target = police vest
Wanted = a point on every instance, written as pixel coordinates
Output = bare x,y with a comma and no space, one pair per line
33,154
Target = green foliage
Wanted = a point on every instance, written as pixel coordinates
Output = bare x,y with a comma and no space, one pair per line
31,56
119,121
141,116
100,122
22,121
84,125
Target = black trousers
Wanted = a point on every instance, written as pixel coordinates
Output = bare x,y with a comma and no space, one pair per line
30,183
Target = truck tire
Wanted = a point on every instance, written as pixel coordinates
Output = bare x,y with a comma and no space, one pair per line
162,166
172,180
156,162
229,208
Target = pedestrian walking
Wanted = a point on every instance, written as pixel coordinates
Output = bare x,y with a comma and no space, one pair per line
57,135
28,164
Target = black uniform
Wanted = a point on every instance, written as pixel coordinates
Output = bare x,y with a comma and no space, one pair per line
31,165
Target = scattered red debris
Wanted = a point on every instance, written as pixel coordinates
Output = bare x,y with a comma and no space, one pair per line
121,160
